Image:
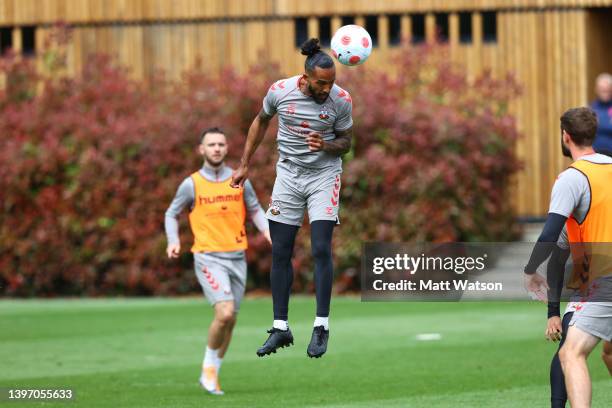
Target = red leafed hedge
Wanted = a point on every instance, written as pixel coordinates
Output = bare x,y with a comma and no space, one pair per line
433,157
90,164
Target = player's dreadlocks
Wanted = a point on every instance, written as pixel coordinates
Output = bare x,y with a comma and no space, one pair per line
315,57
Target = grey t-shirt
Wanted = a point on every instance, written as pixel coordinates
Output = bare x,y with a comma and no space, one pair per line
299,114
185,197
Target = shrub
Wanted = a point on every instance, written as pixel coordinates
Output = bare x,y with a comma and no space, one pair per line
90,164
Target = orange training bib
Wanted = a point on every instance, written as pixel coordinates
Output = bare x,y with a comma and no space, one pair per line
591,241
218,216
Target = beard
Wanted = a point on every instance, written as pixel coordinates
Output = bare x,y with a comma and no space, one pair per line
564,150
317,96
214,162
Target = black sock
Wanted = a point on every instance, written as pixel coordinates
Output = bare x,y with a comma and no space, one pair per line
321,241
558,393
281,276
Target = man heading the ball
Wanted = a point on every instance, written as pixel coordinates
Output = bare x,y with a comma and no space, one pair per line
315,129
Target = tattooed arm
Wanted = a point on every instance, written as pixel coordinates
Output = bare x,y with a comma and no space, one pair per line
339,146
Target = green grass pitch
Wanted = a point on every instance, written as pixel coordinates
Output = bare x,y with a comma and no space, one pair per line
147,353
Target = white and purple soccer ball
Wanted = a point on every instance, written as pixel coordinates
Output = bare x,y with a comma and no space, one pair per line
351,45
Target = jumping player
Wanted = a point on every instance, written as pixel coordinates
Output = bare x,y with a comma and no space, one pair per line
315,129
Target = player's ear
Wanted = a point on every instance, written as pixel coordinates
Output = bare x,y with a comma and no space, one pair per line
566,138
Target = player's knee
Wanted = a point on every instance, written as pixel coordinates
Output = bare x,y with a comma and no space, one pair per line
225,318
568,353
564,355
229,319
321,250
281,250
225,314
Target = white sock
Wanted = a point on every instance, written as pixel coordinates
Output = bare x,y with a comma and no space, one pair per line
210,357
322,321
280,324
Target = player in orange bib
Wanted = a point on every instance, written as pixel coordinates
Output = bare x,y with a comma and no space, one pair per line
217,217
580,205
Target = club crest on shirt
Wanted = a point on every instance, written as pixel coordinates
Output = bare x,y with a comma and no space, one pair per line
274,208
324,114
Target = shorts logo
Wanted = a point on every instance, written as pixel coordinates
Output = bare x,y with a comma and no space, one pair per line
227,290
211,280
275,207
336,192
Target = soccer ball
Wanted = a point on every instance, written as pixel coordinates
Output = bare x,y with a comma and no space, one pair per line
351,45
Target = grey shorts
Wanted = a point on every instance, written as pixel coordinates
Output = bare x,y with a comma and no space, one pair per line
221,278
298,188
594,318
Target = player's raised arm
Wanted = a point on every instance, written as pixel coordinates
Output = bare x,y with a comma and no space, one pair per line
256,134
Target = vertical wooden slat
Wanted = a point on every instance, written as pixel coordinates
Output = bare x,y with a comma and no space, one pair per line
534,119
336,23
383,33
430,27
17,43
581,41
453,29
523,193
476,60
313,27
406,29
453,35
548,138
132,47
